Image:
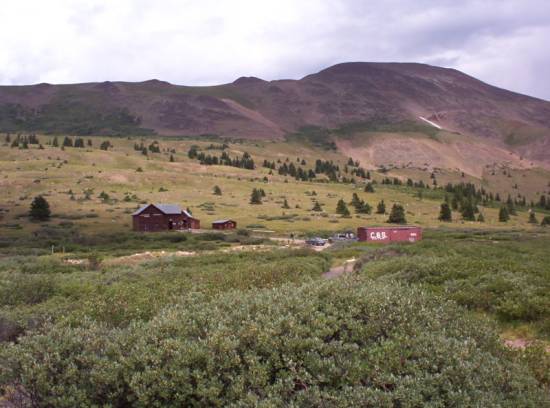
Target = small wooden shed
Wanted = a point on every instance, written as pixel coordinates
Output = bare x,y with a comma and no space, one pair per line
224,224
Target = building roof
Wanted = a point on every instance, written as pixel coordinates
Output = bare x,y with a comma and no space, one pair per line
168,209
187,214
222,221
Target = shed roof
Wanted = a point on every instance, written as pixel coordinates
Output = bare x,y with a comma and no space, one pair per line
222,221
169,209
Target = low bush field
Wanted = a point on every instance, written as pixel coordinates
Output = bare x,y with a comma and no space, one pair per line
345,342
118,294
506,274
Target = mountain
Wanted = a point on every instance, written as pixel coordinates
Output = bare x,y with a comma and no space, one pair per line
341,101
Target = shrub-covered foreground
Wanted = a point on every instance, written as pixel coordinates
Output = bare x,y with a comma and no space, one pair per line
345,342
506,274
37,289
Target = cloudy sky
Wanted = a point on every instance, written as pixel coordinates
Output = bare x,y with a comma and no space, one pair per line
503,42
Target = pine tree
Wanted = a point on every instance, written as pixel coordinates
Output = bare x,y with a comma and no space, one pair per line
171,158
285,205
532,218
317,207
511,207
445,214
89,142
40,209
468,211
355,200
381,208
8,138
55,142
342,208
67,142
545,221
480,217
397,215
217,191
369,188
503,215
256,196
363,208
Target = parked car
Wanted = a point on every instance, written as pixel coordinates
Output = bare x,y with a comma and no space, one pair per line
316,241
343,236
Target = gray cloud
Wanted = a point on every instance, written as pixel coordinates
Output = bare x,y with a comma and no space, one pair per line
503,42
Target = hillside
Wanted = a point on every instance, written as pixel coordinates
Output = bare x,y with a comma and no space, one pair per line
481,123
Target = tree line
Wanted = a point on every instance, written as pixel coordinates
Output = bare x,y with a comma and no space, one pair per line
244,162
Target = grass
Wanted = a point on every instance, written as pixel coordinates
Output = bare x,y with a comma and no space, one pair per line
53,173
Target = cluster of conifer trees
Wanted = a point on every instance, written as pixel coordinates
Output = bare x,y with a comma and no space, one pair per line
244,162
22,141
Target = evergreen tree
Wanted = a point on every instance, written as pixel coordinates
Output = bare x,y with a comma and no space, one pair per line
40,209
532,218
317,207
171,158
355,200
480,217
256,196
511,206
445,214
89,142
468,211
503,215
105,145
79,142
397,215
193,152
369,188
363,208
381,208
67,142
217,191
55,142
342,208
8,138
545,221
285,204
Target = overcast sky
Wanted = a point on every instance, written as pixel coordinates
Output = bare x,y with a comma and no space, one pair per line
503,42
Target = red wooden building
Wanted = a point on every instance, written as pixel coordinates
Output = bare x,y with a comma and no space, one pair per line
163,217
224,224
389,234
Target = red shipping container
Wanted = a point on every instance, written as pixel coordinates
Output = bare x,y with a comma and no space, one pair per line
389,234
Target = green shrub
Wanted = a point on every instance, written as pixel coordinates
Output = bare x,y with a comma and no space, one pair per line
26,289
345,342
507,276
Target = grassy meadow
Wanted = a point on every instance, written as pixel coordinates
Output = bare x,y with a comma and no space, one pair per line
72,180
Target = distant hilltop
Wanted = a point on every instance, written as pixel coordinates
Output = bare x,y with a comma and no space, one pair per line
354,96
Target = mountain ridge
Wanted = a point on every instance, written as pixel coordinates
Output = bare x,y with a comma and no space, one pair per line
250,107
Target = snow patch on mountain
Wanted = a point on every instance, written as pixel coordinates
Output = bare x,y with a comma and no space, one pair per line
430,122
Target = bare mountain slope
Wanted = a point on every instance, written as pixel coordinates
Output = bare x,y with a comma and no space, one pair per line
344,94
